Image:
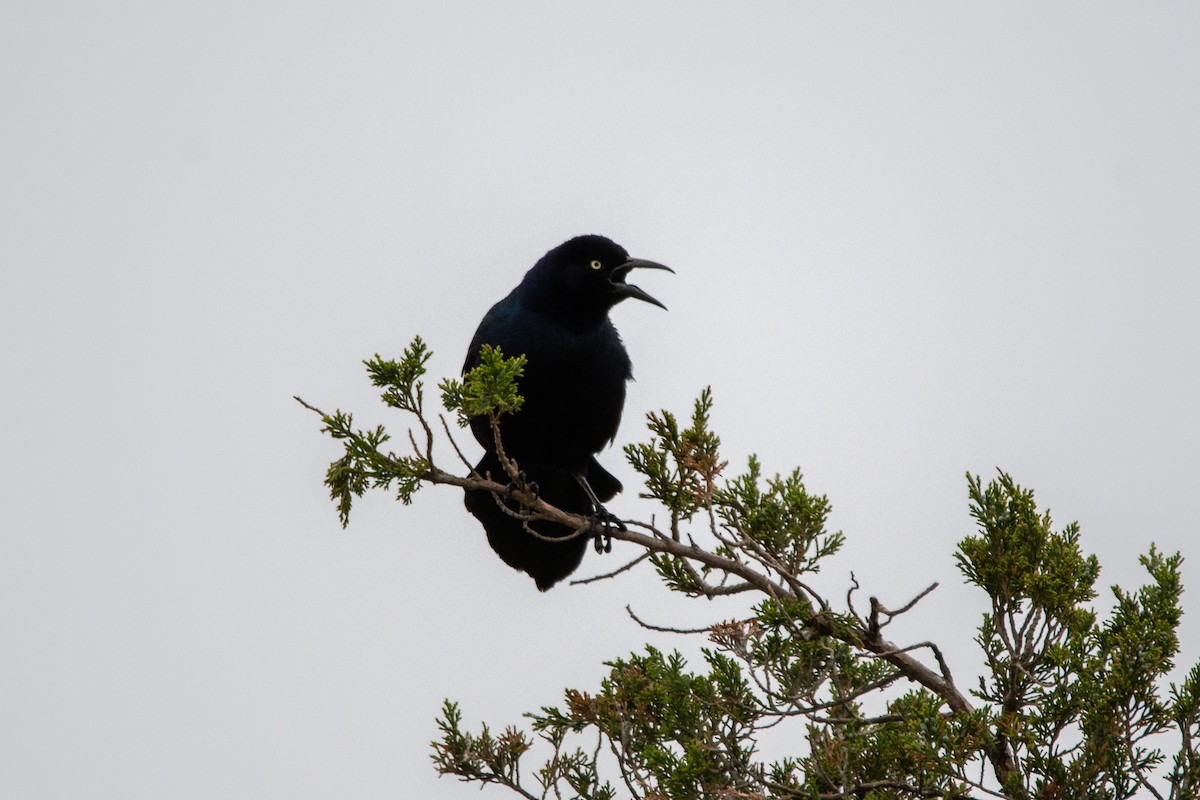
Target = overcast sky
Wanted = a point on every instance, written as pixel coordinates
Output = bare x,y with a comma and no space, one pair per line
910,241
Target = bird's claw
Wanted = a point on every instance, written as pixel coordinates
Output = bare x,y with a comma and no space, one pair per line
603,540
521,484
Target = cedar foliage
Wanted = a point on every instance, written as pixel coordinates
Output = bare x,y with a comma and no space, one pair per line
1073,702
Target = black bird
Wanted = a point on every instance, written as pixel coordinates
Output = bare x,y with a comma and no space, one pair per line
574,389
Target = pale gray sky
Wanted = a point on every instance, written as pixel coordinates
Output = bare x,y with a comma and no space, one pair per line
910,240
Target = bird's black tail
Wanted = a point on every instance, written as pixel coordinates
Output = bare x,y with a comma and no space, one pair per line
547,562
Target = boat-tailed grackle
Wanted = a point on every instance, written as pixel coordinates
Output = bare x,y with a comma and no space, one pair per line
574,389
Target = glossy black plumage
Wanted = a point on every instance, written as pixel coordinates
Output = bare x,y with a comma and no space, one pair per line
574,390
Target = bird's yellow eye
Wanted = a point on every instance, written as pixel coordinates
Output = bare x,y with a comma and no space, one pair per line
596,265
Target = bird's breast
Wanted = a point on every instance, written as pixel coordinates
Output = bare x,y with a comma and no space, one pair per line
574,390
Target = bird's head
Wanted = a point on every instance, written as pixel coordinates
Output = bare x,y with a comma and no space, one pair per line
587,276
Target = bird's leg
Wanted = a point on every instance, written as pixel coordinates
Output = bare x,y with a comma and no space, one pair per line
521,484
600,514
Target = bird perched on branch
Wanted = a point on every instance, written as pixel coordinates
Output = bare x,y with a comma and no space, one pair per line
574,390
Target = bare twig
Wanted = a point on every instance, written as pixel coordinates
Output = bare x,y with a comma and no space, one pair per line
663,629
850,595
613,574
309,407
454,444
878,608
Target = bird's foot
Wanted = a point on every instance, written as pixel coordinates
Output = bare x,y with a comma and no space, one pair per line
521,484
602,523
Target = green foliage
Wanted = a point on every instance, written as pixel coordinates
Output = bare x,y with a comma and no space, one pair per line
914,749
680,465
1017,559
779,525
782,518
401,380
487,389
1073,701
363,464
485,758
1124,660
1184,712
683,732
1069,703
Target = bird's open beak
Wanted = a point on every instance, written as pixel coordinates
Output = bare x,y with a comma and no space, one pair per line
624,289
